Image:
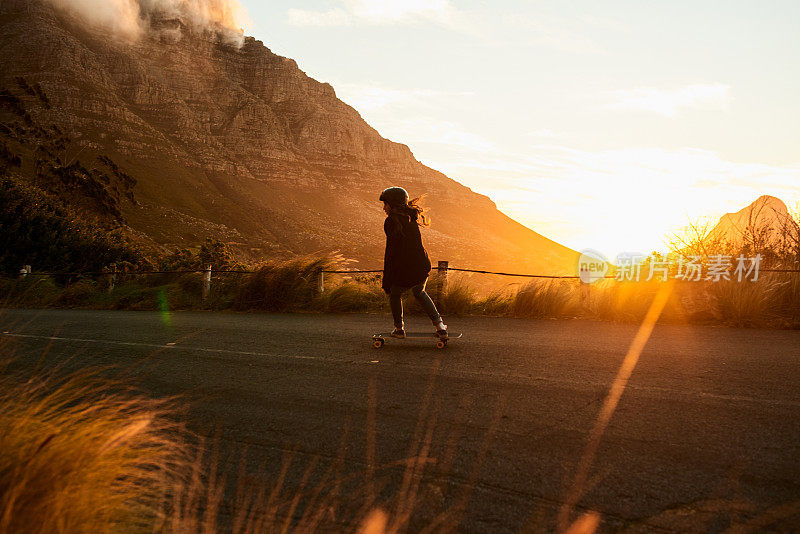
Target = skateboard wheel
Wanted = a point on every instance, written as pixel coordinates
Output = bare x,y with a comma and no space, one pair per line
377,343
441,344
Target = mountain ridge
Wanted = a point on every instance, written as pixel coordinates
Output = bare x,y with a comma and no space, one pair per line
237,143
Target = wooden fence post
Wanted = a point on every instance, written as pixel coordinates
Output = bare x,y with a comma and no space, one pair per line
112,277
206,282
441,287
321,282
442,268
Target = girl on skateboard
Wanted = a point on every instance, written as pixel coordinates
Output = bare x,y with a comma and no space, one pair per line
405,263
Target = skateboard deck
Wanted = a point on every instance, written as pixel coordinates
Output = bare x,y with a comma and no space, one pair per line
378,340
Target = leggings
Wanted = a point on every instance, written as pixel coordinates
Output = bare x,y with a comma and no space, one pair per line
396,303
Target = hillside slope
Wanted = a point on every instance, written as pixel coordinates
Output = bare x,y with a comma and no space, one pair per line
233,142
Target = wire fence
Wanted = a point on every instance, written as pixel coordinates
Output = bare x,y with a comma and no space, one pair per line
442,269
123,284
329,271
111,275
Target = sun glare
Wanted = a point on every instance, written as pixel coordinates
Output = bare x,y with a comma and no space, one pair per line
616,201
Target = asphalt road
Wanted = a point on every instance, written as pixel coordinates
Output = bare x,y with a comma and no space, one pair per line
706,434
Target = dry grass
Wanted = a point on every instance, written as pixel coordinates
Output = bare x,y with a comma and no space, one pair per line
745,304
283,286
786,299
610,300
459,297
355,296
545,298
495,304
82,454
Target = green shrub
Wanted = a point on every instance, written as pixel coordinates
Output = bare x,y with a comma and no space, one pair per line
39,229
31,291
225,289
77,294
191,283
134,296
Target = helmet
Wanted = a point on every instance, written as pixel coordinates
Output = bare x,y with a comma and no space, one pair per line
395,196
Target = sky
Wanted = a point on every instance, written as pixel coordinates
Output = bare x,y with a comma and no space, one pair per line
603,125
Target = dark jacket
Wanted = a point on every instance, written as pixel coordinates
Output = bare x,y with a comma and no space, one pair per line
405,262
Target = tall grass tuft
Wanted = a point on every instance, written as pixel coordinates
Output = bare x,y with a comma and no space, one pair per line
495,304
82,454
355,297
283,286
544,298
786,299
627,301
746,303
459,297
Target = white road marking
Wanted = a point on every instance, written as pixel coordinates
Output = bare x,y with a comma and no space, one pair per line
171,346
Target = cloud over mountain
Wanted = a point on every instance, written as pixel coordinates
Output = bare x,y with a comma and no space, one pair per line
128,19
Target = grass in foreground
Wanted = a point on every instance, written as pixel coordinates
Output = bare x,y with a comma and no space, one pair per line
84,453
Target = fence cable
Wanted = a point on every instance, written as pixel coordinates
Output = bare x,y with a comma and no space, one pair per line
326,271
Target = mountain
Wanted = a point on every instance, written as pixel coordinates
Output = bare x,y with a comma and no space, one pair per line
183,133
763,227
763,224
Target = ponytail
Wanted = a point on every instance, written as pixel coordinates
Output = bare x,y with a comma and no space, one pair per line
415,212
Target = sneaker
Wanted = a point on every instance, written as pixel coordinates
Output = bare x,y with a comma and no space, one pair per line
398,333
442,332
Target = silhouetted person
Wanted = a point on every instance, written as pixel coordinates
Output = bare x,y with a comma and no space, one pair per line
406,264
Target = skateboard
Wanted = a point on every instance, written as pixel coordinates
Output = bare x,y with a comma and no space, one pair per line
378,340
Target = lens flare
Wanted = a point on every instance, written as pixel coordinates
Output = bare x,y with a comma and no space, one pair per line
163,308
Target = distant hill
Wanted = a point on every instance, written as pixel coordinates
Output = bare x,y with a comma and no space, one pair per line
763,224
180,135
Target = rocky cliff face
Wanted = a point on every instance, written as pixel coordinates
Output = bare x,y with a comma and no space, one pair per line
237,143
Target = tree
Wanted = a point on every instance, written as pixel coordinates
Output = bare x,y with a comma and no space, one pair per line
696,239
215,253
